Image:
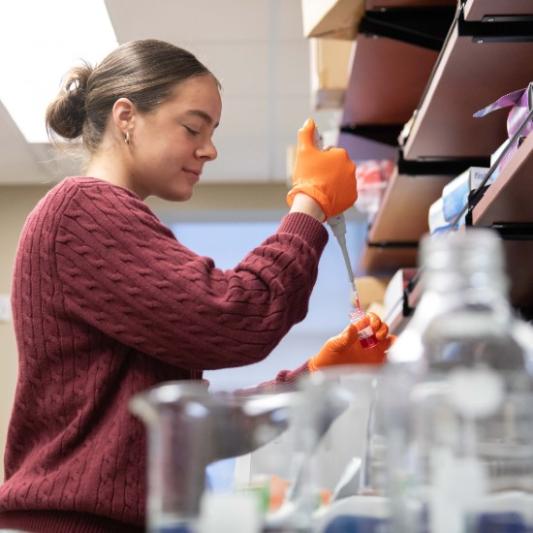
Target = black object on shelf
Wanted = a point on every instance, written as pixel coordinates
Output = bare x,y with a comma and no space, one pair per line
439,167
514,231
497,28
392,244
426,27
385,134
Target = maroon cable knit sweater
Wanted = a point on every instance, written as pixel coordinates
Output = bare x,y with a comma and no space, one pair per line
106,303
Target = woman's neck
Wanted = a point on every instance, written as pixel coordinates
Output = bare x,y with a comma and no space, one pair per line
110,167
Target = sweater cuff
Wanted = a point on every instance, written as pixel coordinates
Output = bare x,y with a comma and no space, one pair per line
306,227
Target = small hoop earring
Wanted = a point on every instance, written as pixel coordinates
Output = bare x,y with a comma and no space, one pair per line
127,137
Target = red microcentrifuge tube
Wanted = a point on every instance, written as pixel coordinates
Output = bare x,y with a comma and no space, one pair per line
366,335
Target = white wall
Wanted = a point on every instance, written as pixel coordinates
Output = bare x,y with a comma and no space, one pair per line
15,204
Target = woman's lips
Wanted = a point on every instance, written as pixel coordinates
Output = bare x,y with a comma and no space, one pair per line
194,173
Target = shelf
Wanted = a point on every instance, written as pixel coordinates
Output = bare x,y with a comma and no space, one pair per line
402,217
508,199
393,57
393,222
517,254
518,257
386,259
479,63
507,204
475,10
360,147
386,81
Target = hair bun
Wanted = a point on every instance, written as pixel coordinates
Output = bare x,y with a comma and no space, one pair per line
66,114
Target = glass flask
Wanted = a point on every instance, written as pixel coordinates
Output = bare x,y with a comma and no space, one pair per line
459,403
188,428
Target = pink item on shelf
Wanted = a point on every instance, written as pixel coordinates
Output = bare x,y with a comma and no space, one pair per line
369,172
372,178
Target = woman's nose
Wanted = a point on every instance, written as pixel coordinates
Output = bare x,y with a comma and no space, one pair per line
208,151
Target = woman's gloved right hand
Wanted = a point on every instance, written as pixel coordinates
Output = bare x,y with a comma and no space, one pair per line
327,176
345,348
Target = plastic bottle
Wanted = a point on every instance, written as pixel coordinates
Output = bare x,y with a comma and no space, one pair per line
459,404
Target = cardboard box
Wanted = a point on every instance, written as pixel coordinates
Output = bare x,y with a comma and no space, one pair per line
371,290
335,19
330,72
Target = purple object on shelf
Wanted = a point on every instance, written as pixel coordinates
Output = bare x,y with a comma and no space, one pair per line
521,104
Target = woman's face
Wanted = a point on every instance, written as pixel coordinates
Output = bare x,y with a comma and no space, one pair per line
170,144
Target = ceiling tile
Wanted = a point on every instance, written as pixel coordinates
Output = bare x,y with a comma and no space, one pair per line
180,21
17,162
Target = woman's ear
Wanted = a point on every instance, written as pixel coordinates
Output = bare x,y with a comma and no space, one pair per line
123,115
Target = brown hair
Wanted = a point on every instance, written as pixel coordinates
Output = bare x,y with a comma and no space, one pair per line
145,71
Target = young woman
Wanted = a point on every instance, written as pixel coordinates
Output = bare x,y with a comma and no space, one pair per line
107,302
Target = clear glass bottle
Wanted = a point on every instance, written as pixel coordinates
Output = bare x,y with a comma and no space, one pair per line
459,404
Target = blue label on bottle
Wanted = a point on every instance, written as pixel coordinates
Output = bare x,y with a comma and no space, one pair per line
357,524
174,529
501,523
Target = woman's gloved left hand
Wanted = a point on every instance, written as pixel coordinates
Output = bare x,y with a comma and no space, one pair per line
345,348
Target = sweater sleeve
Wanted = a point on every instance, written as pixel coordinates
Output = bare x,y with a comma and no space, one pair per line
125,274
284,380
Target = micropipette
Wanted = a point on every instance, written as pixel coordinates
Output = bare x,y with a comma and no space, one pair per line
338,227
366,335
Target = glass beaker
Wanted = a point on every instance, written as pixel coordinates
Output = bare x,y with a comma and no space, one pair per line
188,428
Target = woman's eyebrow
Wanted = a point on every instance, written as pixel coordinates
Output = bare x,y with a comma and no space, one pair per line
203,115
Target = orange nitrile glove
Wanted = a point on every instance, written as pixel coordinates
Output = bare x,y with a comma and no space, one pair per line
327,176
345,348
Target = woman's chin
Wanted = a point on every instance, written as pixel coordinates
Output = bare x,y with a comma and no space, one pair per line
181,195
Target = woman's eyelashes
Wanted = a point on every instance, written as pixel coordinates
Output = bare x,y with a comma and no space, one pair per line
190,130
